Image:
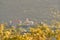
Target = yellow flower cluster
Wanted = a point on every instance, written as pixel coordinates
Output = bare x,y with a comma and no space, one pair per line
40,32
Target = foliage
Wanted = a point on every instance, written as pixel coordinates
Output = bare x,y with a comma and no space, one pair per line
40,32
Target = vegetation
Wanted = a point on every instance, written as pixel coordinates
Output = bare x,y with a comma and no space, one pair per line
40,32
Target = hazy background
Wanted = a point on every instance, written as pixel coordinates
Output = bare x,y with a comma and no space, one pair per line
21,9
